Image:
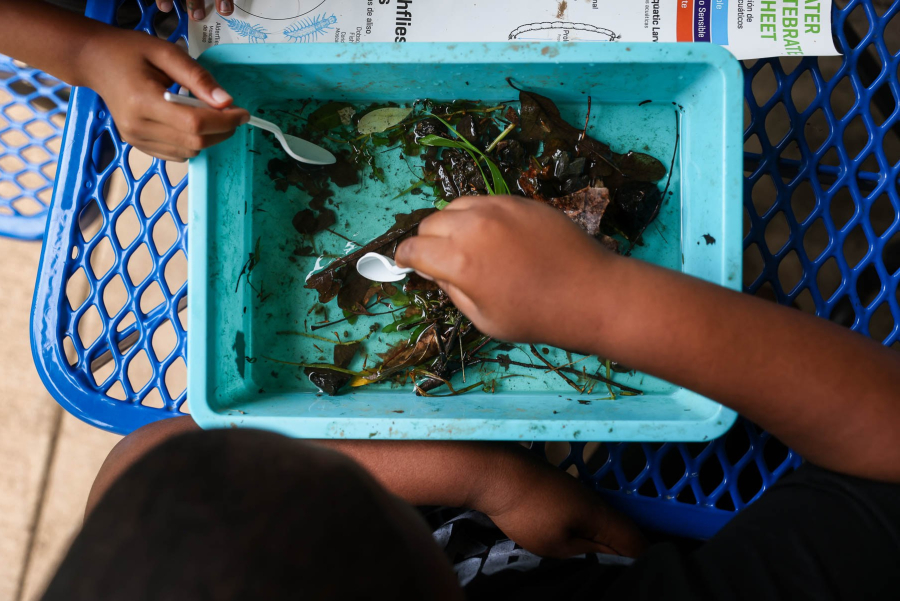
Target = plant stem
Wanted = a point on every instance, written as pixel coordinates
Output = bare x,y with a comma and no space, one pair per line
499,138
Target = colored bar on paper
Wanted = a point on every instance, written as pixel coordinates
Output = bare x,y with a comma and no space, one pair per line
684,21
701,20
719,22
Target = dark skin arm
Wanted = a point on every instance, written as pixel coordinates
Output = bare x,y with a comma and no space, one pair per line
829,393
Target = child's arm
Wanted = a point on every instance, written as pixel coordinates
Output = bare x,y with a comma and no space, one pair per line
523,272
130,70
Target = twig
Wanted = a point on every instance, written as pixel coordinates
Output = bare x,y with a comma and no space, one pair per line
331,231
597,377
568,380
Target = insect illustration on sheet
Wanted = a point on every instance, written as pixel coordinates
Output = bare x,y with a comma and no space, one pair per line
309,29
256,33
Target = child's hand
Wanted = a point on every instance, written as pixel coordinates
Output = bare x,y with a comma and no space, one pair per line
131,71
504,262
551,514
196,9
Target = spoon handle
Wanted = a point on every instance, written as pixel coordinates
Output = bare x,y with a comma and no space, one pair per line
185,100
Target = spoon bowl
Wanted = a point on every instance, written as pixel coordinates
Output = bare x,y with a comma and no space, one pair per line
379,268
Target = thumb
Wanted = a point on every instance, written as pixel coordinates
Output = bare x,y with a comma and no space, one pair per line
184,70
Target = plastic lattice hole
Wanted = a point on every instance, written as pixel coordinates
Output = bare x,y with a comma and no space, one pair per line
101,371
855,246
175,172
648,488
151,298
182,319
595,455
165,233
103,151
790,271
54,144
764,84
791,152
856,25
764,194
710,475
828,278
126,321
116,391
672,468
176,272
69,351
556,451
153,399
17,113
13,138
140,264
870,163
736,443
891,254
868,285
27,206
11,164
128,227
856,136
843,312
778,232
842,208
89,326
748,225
816,130
164,340
152,196
181,206
868,76
185,408
749,482
753,264
115,296
90,221
803,201
102,258
138,162
891,149
752,145
774,454
892,34
140,371
778,124
843,98
633,461
77,289
30,180
879,115
881,323
805,302
39,130
803,92
115,189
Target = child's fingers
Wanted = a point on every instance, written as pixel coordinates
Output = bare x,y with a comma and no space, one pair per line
224,7
435,256
165,6
178,137
195,9
196,121
182,69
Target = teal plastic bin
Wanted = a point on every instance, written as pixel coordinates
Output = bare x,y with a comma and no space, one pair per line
642,94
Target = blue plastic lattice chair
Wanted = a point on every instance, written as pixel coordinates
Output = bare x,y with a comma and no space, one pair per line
32,115
822,212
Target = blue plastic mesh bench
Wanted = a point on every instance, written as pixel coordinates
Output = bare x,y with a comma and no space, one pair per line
32,114
822,220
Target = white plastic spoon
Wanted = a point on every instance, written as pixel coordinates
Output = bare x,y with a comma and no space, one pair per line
379,268
303,151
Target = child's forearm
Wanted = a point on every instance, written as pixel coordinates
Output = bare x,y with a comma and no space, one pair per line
46,37
831,394
454,474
